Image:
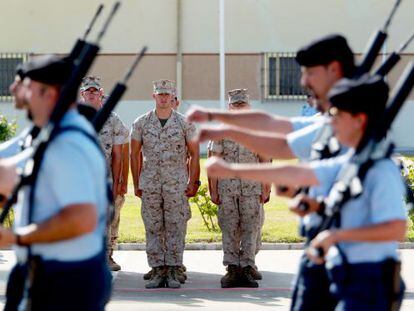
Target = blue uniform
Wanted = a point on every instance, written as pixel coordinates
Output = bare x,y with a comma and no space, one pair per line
73,172
308,110
304,121
359,269
13,146
311,286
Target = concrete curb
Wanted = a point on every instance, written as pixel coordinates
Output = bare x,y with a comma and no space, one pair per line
218,246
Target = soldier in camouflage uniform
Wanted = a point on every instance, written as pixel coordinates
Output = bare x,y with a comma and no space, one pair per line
181,275
164,182
114,139
240,213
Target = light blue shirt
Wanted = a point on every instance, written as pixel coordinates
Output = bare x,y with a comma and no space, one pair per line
304,121
73,172
308,110
300,142
381,201
14,146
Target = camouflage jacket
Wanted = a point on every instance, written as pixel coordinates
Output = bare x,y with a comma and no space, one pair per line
164,151
114,132
235,153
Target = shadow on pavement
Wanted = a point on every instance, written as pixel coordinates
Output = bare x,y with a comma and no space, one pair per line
130,286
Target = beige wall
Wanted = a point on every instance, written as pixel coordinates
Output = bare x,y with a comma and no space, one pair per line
252,26
200,74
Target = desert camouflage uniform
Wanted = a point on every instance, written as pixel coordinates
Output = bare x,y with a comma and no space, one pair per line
240,212
163,181
114,132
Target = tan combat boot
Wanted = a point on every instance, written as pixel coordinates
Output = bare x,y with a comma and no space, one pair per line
147,276
181,275
113,266
247,279
231,278
172,281
255,274
157,279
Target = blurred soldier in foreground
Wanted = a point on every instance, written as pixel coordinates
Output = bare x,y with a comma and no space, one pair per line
164,183
359,248
114,138
323,62
181,275
59,232
240,203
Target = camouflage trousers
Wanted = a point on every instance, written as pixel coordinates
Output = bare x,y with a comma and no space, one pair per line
240,220
259,233
165,217
113,227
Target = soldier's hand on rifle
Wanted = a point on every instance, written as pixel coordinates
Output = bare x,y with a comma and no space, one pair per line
214,133
320,245
191,189
198,114
297,204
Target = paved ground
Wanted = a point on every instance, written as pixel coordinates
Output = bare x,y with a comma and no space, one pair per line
202,291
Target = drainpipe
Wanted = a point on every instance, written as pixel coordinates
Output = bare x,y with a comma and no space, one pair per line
179,58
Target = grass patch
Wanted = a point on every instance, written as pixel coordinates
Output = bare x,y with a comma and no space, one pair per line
280,224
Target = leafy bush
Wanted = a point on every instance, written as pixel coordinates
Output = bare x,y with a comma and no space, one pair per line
7,129
408,174
208,209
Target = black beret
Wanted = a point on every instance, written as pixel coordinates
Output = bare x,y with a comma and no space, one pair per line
326,50
47,69
368,95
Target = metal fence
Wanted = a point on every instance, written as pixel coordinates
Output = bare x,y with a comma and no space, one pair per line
281,77
8,63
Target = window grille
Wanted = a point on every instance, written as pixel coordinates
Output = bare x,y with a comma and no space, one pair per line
281,77
8,63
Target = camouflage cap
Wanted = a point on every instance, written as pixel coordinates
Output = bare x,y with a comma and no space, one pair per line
91,81
238,95
164,86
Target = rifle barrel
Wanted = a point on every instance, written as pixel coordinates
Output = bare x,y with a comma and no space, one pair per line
98,12
108,20
391,15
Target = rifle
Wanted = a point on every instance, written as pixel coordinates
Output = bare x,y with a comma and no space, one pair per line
67,96
393,59
117,92
80,43
375,44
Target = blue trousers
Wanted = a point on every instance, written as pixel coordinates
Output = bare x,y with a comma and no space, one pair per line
311,290
82,285
364,287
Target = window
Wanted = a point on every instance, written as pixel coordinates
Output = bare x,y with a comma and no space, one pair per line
282,77
8,63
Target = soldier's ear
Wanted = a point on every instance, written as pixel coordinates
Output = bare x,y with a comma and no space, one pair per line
335,68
